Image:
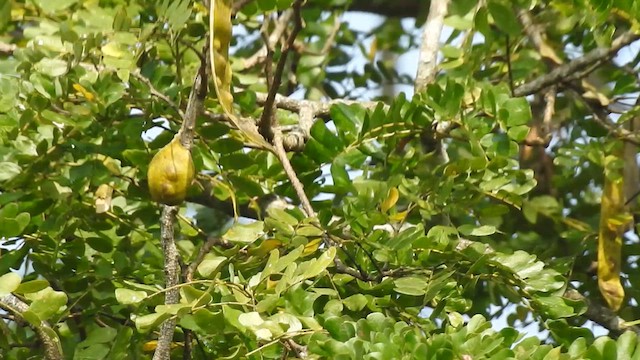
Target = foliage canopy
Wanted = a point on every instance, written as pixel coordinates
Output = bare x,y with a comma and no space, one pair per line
502,190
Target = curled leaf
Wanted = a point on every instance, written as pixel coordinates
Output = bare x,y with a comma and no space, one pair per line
613,223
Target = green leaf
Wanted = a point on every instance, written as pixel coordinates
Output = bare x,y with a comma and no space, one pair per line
173,309
210,264
347,120
227,145
52,6
136,157
236,161
519,111
100,335
412,285
473,230
92,352
52,67
317,266
340,177
518,133
128,297
9,283
47,302
355,302
30,286
505,18
282,215
100,243
210,322
626,345
250,319
554,307
566,334
194,297
12,224
120,349
245,233
147,322
326,138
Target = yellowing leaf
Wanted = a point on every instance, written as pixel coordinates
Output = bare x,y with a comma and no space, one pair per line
150,346
220,32
103,198
399,217
311,246
84,92
265,247
549,53
391,200
220,28
373,50
613,223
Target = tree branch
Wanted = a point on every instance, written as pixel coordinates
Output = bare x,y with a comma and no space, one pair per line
172,295
204,250
195,106
428,57
291,174
563,72
602,315
157,93
272,40
47,335
267,121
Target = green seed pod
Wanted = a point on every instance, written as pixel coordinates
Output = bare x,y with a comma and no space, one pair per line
171,171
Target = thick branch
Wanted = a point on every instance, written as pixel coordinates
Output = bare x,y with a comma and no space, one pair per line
563,72
47,335
602,315
430,44
171,266
309,111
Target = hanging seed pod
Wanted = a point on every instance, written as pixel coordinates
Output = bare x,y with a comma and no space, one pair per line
171,171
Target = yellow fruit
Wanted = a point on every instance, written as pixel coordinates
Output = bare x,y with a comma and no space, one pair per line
171,171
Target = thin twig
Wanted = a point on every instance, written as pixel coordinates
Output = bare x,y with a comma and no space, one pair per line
157,93
273,38
291,174
549,109
508,56
195,107
267,121
428,57
204,250
268,47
